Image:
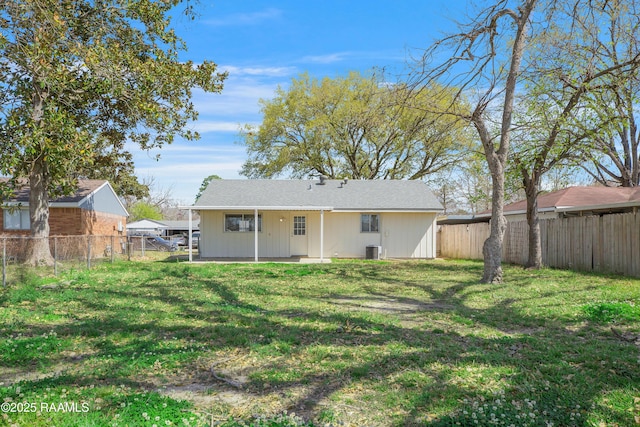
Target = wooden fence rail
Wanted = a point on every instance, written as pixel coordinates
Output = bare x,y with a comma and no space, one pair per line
608,243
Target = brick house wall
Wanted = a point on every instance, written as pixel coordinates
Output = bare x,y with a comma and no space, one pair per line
103,224
76,222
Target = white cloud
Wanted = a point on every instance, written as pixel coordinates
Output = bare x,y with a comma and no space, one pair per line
241,19
238,99
182,168
235,71
192,172
204,126
326,59
199,149
245,86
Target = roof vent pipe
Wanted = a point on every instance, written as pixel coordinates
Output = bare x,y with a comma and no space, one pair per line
323,178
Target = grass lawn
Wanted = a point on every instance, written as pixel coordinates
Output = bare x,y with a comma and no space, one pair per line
349,343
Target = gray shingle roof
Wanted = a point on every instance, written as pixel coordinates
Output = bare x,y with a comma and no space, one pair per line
378,195
85,188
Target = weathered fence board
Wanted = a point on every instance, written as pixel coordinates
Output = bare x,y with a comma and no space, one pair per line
608,243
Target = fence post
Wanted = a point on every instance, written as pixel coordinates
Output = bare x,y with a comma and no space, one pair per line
89,252
4,263
142,244
113,248
55,255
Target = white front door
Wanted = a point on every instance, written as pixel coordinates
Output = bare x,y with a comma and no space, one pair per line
299,239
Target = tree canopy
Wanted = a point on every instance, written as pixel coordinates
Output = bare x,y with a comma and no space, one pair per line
205,184
144,210
562,56
561,109
78,76
352,127
614,152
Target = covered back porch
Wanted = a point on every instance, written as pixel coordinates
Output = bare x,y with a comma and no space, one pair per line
280,233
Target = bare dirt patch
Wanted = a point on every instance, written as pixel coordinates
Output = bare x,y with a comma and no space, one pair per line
406,310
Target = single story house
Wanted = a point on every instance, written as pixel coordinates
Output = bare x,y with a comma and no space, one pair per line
94,209
317,219
175,227
462,219
147,227
576,201
165,228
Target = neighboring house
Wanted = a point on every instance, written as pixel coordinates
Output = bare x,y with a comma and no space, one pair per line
462,219
160,228
144,227
94,209
180,227
576,201
317,219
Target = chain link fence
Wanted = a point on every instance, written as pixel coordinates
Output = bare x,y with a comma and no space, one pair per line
81,252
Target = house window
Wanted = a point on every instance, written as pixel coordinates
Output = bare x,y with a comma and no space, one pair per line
17,219
241,223
299,225
369,223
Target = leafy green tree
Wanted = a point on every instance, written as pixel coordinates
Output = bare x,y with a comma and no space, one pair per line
117,167
553,123
205,184
494,53
144,210
613,157
352,127
77,76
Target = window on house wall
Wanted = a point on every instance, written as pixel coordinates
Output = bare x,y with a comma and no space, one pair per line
369,223
299,225
17,219
241,223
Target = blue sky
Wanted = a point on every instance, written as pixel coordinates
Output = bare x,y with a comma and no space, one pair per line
263,44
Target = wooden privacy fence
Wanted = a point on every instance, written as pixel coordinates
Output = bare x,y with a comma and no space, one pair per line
608,243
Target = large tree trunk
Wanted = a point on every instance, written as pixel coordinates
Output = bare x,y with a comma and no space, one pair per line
492,252
492,248
497,158
534,259
39,252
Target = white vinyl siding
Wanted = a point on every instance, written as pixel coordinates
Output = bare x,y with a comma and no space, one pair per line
216,242
401,235
408,235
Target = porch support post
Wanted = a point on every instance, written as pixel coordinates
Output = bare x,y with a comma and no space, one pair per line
321,235
189,240
255,233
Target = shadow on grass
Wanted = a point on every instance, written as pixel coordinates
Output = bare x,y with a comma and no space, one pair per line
421,347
